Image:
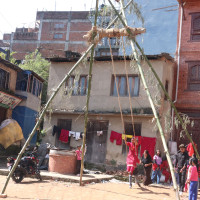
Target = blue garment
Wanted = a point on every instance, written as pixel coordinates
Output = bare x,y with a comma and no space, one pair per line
156,175
193,190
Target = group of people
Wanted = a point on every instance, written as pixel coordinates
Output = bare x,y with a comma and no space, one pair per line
182,164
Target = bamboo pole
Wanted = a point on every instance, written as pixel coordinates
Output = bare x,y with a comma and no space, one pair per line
47,105
124,22
88,97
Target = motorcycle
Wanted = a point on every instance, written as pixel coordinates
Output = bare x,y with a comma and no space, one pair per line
27,167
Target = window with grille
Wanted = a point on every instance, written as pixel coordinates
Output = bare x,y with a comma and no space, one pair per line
58,36
195,27
129,131
77,87
59,26
194,76
121,80
4,79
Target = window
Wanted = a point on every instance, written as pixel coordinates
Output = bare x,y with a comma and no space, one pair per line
194,76
122,85
4,79
195,27
35,86
58,36
129,131
166,88
22,80
59,26
78,87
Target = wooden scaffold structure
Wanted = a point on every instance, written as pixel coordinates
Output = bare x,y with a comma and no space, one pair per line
93,37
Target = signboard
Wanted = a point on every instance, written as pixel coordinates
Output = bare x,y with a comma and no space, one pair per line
8,101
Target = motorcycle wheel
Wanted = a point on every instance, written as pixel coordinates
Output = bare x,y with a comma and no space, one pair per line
17,176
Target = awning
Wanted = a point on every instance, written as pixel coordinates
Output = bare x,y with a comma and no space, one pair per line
8,100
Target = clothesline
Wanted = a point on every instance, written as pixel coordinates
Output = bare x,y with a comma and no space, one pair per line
146,143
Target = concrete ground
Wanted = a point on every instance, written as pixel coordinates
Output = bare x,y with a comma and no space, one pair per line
87,178
31,189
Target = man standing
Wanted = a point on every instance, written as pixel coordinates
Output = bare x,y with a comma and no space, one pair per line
181,163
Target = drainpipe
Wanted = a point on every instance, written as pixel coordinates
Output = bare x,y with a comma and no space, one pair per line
178,63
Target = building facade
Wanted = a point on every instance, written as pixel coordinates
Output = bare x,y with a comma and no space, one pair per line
29,89
20,96
54,33
187,87
8,99
67,109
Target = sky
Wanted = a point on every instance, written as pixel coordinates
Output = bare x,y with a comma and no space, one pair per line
23,12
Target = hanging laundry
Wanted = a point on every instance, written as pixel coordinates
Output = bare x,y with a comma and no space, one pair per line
190,149
116,136
64,136
72,133
77,135
99,133
56,129
148,143
127,136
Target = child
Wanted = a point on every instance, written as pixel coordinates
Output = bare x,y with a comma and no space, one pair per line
78,156
188,174
193,180
156,174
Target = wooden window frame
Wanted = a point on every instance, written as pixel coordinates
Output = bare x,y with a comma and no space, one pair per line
193,32
7,79
127,94
192,64
79,84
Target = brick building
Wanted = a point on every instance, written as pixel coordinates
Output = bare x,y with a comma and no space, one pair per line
54,33
187,85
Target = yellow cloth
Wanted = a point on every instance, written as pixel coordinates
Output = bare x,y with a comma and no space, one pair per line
10,134
127,136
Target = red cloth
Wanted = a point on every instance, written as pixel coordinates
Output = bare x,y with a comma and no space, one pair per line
132,158
148,143
116,136
165,167
190,149
154,167
64,135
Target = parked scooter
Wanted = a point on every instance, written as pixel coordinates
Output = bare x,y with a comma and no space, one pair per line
27,167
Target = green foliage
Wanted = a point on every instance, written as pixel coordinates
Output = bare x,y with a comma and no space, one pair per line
39,65
11,58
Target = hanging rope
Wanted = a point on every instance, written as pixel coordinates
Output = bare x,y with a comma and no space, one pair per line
129,94
128,87
117,88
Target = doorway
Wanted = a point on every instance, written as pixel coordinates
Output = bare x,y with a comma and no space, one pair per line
96,144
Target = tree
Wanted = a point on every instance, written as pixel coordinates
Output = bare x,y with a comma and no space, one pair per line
10,59
40,66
